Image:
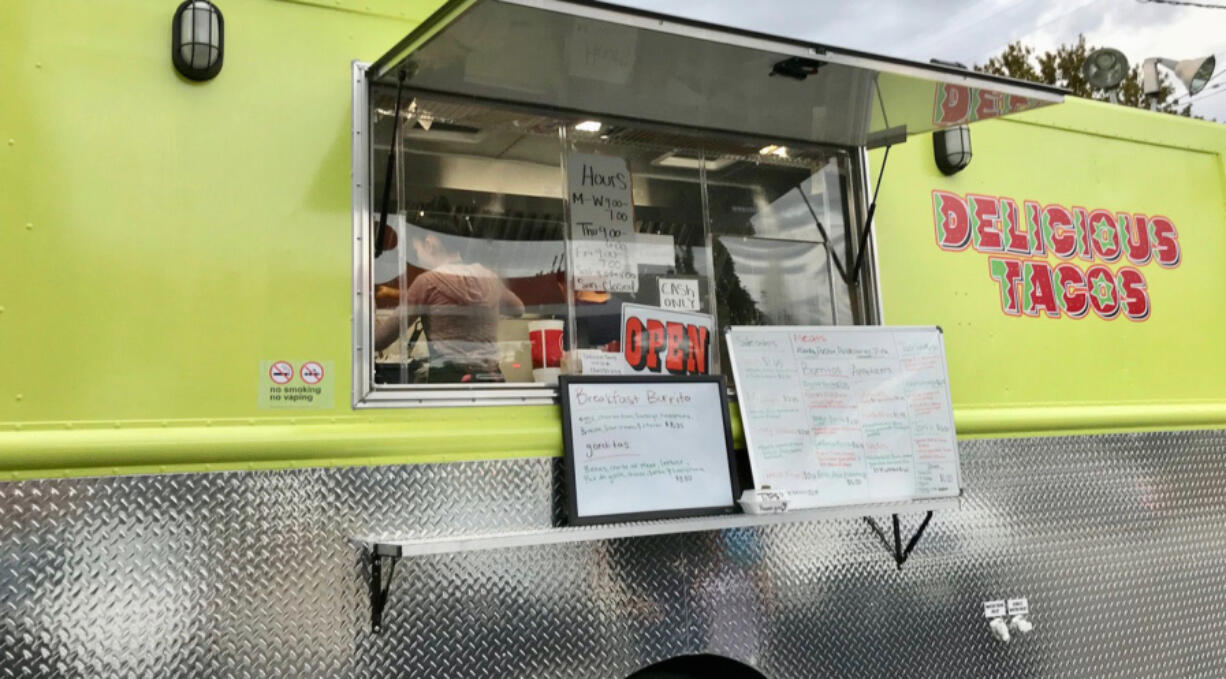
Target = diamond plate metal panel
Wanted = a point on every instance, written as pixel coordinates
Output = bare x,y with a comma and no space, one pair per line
1117,541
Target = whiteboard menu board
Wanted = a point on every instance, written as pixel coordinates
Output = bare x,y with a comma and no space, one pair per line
846,415
646,448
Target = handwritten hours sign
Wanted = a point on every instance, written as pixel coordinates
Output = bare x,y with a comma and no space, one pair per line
645,449
846,415
601,223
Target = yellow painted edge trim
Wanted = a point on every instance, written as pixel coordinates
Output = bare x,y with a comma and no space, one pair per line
31,454
209,446
77,472
237,446
1060,420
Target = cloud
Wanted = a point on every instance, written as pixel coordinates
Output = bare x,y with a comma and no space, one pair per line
970,32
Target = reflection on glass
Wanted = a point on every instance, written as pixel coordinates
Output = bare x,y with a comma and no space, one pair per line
779,282
480,270
457,300
472,257
667,251
781,222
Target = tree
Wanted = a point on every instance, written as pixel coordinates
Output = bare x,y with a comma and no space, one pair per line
1063,69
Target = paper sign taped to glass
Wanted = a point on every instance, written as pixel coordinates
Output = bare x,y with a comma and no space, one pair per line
603,241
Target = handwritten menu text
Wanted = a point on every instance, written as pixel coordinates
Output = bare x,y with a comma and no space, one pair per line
647,448
846,416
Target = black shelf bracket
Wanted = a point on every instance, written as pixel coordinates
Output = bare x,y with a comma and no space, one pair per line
900,553
380,585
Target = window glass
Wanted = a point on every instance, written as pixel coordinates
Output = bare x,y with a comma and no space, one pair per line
472,252
659,240
521,245
778,219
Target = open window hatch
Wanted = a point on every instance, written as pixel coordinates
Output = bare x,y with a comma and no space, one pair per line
547,187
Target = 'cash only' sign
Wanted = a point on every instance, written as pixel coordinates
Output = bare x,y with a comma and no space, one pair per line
1058,261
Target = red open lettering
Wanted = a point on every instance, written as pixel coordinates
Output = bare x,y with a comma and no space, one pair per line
696,362
655,342
633,349
674,355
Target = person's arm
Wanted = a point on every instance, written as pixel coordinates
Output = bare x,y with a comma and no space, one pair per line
387,329
511,304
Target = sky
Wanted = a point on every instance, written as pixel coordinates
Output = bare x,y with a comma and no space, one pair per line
970,31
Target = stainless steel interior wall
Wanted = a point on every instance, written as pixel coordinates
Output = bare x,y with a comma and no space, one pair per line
1117,541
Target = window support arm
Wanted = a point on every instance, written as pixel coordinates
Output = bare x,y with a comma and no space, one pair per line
899,552
853,276
391,165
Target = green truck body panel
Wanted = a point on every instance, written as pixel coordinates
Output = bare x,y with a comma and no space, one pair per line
1024,375
162,238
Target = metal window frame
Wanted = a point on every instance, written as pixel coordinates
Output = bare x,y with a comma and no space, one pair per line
366,394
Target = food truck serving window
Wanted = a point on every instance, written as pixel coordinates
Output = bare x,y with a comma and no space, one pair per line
546,188
520,245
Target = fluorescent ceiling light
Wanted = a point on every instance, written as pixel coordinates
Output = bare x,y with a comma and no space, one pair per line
671,159
588,126
774,150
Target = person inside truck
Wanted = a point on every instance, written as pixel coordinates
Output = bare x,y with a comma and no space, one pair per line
598,318
459,305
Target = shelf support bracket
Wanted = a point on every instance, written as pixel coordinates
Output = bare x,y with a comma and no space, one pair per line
379,586
900,553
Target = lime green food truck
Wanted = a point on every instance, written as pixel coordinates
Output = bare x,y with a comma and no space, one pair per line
287,296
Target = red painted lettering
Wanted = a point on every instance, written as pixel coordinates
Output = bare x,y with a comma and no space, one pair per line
1136,238
1073,298
1104,297
1081,225
1039,293
1034,226
1104,236
1015,229
952,222
991,104
1166,242
985,224
1007,273
1058,233
953,105
1134,293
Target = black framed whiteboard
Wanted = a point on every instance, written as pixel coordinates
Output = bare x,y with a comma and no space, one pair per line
646,448
848,414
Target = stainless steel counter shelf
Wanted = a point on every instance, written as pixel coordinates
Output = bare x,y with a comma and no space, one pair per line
380,548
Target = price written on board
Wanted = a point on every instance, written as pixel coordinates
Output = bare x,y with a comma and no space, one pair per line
601,223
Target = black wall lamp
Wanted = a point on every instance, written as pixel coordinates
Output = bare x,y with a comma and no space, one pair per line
951,148
197,40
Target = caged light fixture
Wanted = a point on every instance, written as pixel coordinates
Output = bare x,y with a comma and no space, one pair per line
951,148
197,40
